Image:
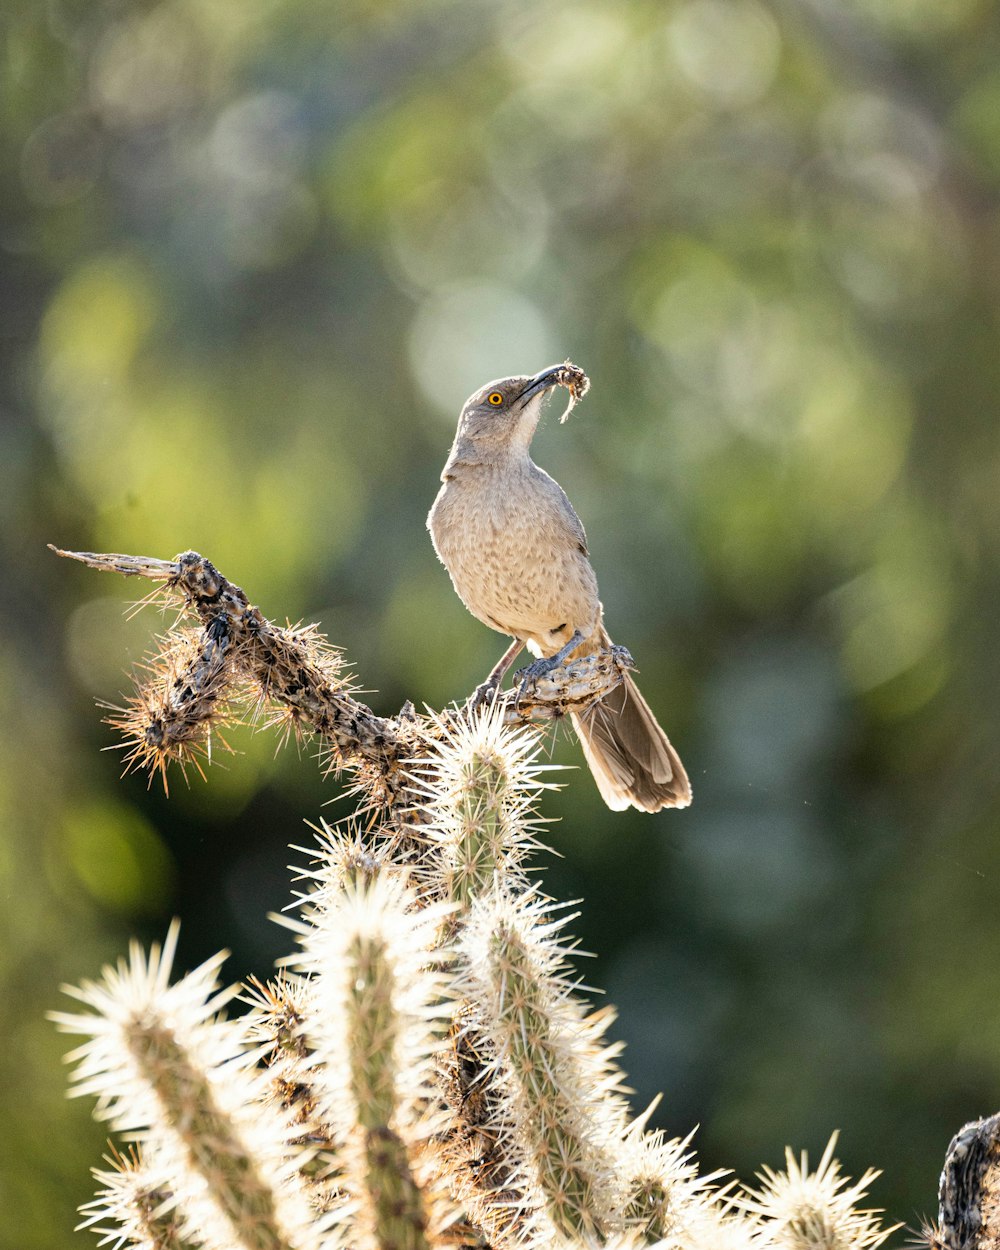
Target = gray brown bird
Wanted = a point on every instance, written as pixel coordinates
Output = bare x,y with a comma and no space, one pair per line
517,555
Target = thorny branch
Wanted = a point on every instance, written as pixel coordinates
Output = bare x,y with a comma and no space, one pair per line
494,1117
202,679
236,661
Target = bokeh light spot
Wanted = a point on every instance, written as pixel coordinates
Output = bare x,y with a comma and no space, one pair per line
466,334
729,51
118,857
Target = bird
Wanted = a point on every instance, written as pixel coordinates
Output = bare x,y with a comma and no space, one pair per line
517,555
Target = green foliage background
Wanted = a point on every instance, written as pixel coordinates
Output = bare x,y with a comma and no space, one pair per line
253,258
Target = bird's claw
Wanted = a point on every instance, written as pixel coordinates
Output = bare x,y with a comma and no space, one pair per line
622,656
485,692
527,676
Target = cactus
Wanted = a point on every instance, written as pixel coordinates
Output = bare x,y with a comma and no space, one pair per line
167,1070
425,1070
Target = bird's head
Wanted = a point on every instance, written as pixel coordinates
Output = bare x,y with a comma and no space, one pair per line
500,418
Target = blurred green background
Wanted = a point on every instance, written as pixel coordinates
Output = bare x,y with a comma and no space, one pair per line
255,255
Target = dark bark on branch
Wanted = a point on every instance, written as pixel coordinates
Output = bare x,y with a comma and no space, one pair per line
199,675
969,1194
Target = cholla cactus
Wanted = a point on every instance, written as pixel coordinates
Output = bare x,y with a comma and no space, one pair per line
476,789
166,1070
379,1007
556,1083
424,1071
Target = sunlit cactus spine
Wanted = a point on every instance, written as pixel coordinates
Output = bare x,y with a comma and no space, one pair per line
803,1210
667,1199
276,1031
133,1206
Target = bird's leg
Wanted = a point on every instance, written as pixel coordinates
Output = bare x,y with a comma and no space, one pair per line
486,690
540,667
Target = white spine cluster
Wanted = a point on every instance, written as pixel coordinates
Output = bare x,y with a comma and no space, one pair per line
803,1210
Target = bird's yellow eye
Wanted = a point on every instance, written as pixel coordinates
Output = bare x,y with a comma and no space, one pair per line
494,398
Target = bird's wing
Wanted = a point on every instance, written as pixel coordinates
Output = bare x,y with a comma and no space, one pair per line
561,511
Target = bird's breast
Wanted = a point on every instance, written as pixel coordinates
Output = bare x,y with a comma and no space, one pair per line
512,559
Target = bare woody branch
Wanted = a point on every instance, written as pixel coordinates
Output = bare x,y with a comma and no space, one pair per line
203,679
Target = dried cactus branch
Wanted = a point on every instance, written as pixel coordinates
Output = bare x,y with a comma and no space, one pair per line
969,1194
290,667
196,681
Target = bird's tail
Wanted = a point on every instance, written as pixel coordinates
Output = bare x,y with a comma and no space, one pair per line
630,756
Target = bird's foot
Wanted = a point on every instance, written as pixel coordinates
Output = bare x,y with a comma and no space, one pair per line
527,676
485,692
622,656
541,668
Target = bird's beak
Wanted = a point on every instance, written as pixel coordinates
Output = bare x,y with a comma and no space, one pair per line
544,381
